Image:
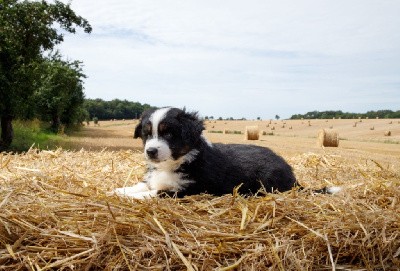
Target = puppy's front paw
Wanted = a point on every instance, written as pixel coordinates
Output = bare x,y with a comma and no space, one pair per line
132,193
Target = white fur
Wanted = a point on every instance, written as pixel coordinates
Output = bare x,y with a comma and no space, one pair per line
139,187
156,118
170,164
164,152
161,177
334,189
166,180
137,195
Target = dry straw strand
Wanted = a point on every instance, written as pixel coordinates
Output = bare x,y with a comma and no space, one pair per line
174,246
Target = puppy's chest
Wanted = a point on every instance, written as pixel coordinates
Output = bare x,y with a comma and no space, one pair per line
166,180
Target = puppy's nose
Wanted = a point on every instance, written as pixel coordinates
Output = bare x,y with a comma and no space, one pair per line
152,153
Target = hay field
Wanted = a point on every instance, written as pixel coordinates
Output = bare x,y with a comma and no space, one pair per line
56,214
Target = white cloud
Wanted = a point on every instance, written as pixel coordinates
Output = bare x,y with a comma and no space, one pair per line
242,59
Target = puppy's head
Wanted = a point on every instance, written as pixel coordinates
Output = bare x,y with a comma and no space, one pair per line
169,133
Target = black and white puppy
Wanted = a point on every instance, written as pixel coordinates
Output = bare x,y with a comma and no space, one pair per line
182,162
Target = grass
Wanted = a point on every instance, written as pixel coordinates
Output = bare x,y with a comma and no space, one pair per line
390,141
34,132
234,132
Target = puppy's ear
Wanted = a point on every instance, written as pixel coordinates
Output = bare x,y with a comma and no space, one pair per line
138,131
138,128
192,127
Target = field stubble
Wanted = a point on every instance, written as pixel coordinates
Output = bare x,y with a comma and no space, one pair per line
356,143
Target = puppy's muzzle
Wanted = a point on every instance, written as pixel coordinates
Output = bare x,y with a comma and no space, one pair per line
152,153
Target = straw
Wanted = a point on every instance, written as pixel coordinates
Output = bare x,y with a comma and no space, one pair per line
56,215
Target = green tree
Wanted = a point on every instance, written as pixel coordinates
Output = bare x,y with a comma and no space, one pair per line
115,109
61,91
27,30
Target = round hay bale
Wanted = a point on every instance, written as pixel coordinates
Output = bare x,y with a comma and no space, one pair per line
328,138
388,133
252,132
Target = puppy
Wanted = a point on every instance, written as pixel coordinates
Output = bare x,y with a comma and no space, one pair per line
182,162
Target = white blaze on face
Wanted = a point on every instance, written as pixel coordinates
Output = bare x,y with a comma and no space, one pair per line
156,118
164,152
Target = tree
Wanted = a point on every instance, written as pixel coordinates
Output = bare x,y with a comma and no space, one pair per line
277,117
115,109
27,30
61,91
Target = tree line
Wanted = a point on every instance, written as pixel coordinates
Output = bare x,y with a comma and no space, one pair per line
382,114
115,109
35,80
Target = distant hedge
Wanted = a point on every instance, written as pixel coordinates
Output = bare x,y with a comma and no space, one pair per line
382,114
115,109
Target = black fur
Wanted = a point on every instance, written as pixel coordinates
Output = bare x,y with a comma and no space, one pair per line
218,168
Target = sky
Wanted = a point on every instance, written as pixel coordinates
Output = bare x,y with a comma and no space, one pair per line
253,58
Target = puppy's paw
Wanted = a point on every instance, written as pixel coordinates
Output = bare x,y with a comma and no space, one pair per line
132,193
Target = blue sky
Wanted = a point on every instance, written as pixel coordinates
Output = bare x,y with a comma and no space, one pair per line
242,58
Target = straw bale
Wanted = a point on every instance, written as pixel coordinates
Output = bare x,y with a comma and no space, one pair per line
56,216
252,132
388,133
328,138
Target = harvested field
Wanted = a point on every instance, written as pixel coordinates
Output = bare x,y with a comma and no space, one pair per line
56,213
